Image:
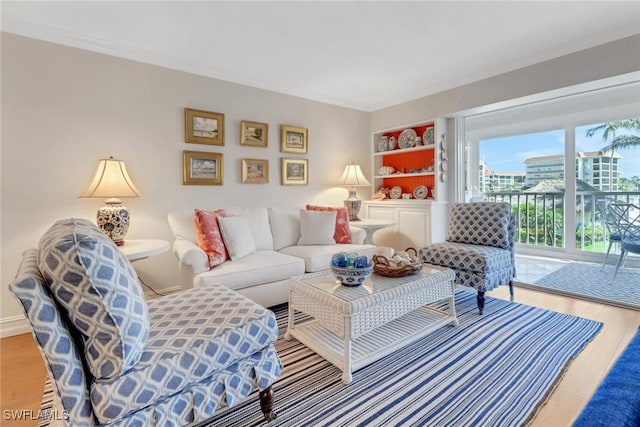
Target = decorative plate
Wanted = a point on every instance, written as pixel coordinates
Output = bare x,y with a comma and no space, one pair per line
443,142
407,138
428,137
420,192
443,176
443,166
396,192
443,155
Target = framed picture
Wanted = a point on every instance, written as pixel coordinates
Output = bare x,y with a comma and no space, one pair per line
295,171
294,139
203,127
255,171
254,134
202,168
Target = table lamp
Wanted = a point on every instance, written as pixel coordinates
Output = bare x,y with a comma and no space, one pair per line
353,177
112,182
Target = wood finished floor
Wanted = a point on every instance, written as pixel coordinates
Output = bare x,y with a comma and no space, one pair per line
22,371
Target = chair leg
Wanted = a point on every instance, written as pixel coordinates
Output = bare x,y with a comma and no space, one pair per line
607,255
480,299
266,404
511,290
623,254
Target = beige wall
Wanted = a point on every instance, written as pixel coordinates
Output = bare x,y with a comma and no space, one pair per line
63,109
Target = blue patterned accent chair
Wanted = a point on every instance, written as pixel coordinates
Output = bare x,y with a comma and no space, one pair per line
116,360
479,247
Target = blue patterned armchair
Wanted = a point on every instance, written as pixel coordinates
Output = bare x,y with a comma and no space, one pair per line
116,360
479,247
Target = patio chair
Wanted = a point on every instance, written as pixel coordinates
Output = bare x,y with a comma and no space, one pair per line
480,247
627,217
611,224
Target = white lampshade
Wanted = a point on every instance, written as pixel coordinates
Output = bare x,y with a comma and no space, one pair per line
112,182
353,176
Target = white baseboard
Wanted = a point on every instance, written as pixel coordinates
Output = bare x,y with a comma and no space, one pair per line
14,325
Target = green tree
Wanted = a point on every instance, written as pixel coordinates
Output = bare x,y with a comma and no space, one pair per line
618,142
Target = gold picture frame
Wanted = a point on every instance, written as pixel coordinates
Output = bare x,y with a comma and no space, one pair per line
293,139
203,127
255,171
254,134
202,168
294,171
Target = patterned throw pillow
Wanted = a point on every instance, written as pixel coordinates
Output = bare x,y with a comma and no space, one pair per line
99,290
209,237
342,233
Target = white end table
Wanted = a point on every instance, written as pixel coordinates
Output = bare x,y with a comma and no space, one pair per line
135,250
370,226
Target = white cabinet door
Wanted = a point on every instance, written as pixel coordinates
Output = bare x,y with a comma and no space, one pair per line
413,228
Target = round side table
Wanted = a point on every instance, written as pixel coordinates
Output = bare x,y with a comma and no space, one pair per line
370,226
135,250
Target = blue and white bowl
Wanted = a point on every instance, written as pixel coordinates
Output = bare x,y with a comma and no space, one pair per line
351,276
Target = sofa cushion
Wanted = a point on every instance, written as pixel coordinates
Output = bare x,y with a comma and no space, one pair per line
99,290
255,269
318,257
209,237
482,223
285,227
258,220
237,237
194,335
317,227
342,233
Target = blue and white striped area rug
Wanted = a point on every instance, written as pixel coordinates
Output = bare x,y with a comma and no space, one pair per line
588,281
493,370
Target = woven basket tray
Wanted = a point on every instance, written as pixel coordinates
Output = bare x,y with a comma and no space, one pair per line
382,266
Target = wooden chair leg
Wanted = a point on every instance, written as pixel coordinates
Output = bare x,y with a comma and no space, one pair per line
511,290
480,299
266,404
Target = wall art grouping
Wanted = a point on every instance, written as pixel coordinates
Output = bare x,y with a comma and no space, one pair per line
206,168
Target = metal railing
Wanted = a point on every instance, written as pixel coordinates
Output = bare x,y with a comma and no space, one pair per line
540,219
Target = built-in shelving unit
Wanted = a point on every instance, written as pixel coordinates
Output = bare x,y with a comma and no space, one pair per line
422,163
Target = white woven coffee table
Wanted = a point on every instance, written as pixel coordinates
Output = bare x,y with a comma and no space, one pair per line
354,326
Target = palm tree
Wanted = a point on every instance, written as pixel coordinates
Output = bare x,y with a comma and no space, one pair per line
618,141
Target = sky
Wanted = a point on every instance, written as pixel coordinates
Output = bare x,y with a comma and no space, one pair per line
509,153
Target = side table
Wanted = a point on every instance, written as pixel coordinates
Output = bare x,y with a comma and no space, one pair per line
370,226
135,250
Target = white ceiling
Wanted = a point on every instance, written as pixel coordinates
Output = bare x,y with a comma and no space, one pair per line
365,55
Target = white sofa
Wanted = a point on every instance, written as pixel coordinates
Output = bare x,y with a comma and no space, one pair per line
263,275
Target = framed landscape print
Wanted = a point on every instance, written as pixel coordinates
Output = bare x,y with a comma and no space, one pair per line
254,134
293,139
203,127
202,168
295,171
255,171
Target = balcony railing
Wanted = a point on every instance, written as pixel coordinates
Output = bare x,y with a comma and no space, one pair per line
540,219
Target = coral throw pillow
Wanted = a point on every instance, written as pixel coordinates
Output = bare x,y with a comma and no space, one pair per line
342,233
209,237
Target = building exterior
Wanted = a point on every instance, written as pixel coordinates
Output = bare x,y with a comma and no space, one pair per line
492,181
596,169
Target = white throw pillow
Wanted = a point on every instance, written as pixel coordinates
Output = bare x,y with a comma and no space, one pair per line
317,227
237,236
285,227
